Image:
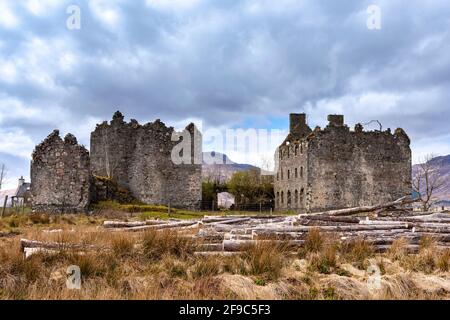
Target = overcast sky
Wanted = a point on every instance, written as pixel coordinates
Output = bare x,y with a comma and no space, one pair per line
225,63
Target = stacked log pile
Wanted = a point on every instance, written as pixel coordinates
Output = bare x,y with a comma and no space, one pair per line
379,225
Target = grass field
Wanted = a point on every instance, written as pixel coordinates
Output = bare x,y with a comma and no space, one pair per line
162,265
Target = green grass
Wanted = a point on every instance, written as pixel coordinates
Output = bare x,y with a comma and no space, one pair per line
147,211
17,210
175,215
130,208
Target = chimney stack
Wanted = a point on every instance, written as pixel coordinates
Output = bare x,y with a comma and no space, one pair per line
335,120
296,119
21,181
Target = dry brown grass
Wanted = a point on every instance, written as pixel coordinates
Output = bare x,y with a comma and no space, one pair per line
265,259
358,252
398,249
156,244
162,265
314,241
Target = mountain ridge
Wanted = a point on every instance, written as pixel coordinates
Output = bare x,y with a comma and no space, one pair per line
218,166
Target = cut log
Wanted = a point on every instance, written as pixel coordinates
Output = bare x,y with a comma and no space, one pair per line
337,228
210,235
379,222
416,219
210,219
411,248
25,243
211,247
176,225
125,224
231,236
431,230
221,227
333,219
28,252
239,245
216,253
355,210
264,235
230,221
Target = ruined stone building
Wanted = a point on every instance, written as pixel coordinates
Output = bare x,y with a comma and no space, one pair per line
65,177
335,167
139,158
60,175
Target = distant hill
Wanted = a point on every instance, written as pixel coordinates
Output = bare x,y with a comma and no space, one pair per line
217,166
442,165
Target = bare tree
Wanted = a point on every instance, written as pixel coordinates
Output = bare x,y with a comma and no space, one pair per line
3,172
426,181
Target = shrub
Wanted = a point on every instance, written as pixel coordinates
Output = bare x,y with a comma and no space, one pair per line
427,242
155,244
443,260
39,218
16,221
324,261
264,259
398,250
29,269
260,282
314,241
357,252
175,268
122,245
206,267
330,293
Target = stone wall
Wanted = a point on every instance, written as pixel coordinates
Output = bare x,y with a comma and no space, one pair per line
112,146
342,168
105,189
290,183
347,169
139,157
60,175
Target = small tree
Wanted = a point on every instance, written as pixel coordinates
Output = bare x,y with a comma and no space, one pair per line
426,181
3,172
210,188
250,187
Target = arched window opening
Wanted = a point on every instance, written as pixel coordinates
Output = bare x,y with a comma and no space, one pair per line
302,197
289,202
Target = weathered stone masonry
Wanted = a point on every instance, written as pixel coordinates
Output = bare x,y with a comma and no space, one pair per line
60,175
334,167
137,157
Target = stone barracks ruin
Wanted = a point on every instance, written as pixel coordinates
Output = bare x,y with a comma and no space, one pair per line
138,158
334,167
